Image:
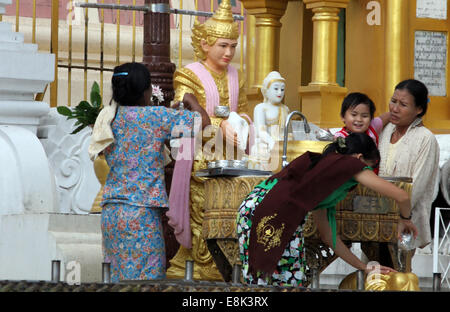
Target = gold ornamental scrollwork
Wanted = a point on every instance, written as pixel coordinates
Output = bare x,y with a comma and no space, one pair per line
388,228
230,249
267,234
224,195
310,228
351,226
370,227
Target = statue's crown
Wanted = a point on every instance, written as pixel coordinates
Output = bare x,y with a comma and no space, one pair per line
222,24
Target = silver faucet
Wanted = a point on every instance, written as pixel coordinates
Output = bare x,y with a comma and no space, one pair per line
284,161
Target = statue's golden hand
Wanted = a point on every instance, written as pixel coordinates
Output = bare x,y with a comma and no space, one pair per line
377,268
393,281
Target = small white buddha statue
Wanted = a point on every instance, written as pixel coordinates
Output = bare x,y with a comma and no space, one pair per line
269,118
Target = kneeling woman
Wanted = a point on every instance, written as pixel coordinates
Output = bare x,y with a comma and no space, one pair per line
271,218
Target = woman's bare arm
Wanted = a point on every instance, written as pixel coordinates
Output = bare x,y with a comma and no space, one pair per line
369,179
320,218
190,102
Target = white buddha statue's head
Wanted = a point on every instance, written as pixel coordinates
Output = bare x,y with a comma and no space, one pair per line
273,88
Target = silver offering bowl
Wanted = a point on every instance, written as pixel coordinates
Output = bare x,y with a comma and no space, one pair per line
222,111
212,164
238,164
235,164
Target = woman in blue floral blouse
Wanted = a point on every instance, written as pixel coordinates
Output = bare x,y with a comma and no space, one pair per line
134,195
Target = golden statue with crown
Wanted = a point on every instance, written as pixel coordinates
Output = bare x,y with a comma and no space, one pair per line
219,88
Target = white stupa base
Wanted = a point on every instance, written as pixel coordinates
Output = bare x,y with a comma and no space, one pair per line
33,231
30,242
27,183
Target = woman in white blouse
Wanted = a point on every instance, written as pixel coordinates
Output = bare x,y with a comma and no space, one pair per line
409,149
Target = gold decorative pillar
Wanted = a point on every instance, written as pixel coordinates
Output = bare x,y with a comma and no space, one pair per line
267,15
268,29
251,50
397,46
54,50
321,99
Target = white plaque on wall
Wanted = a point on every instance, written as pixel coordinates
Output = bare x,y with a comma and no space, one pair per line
430,58
436,9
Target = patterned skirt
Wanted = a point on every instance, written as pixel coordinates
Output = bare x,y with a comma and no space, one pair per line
133,242
290,270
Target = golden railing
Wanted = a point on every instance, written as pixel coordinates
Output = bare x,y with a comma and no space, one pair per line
85,50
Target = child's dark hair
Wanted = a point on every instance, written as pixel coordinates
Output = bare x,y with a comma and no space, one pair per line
129,82
354,99
419,92
354,143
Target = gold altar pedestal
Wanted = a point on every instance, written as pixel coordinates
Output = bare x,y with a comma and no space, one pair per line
224,195
204,266
363,216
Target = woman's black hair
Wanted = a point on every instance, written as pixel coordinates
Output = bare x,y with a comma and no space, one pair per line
419,92
129,82
354,143
354,99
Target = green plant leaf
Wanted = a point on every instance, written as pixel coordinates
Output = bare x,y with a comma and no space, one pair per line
95,87
64,110
83,105
96,99
79,129
82,119
85,113
92,115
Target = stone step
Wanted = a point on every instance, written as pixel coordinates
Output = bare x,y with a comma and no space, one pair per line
6,27
11,37
17,46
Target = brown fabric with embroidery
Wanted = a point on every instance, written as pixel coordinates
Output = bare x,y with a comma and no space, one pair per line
297,192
